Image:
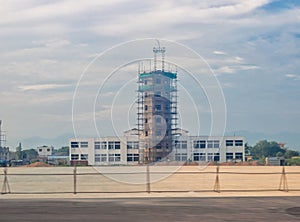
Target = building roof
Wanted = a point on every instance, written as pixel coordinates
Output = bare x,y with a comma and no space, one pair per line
157,72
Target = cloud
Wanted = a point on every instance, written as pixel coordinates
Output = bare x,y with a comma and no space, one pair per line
42,87
235,69
219,53
292,76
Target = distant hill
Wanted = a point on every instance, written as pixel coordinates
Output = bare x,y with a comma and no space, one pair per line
57,142
292,140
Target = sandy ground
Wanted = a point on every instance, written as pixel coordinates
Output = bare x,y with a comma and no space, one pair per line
165,181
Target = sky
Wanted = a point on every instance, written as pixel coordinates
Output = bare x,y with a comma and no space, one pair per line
48,47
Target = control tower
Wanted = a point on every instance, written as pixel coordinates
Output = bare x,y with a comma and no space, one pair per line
157,110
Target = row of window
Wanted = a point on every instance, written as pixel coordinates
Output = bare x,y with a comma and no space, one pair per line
115,157
202,144
238,156
83,144
181,144
234,142
216,156
111,145
76,156
210,157
180,156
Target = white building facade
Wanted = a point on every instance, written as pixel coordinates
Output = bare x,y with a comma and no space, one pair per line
126,150
45,151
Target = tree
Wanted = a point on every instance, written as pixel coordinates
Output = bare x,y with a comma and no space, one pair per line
290,153
30,154
265,148
63,151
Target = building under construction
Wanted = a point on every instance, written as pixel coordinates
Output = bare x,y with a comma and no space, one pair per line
157,109
157,136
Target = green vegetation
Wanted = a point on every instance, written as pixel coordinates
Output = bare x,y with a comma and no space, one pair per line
63,151
264,148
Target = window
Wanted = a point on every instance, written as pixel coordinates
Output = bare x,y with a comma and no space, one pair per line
229,156
74,145
114,145
217,157
84,144
216,144
239,143
184,157
181,157
40,150
146,133
229,142
117,157
103,157
157,107
117,145
239,156
114,157
103,145
146,107
202,144
84,156
209,144
111,145
157,94
199,157
133,157
196,144
210,156
181,144
213,144
74,156
132,145
97,146
202,157
146,120
196,156
97,157
111,157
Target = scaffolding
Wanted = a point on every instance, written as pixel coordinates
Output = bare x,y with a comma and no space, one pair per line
157,99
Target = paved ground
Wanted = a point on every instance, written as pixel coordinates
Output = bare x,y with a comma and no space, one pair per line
152,209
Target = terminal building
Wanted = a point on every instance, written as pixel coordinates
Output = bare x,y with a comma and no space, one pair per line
157,137
126,150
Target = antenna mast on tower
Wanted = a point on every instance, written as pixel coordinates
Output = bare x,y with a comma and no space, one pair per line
161,50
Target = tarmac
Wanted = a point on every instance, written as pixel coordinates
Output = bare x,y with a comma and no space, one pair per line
152,209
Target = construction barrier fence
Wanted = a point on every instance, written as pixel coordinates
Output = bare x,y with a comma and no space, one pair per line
148,179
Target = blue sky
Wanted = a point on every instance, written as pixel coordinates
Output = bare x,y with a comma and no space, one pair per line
252,47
